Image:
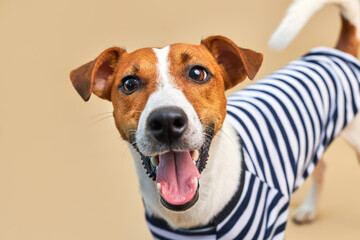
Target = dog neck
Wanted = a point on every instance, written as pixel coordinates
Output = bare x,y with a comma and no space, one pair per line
219,182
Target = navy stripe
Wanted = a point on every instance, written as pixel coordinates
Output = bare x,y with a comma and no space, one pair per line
306,87
345,93
353,91
272,171
316,71
273,137
260,226
331,76
283,132
333,114
280,229
188,232
307,77
245,230
301,117
272,205
282,129
270,228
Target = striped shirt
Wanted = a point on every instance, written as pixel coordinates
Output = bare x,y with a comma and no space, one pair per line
285,122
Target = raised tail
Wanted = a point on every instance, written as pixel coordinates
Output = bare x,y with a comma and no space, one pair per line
301,11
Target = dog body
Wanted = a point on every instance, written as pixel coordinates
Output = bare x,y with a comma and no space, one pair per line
285,122
212,173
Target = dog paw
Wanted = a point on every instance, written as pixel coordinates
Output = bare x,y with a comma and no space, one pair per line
304,214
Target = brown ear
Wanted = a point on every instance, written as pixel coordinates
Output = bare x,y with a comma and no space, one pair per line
237,62
96,76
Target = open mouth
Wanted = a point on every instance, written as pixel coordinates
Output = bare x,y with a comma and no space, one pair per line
177,175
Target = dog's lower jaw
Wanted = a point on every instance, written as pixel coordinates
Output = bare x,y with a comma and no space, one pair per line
218,183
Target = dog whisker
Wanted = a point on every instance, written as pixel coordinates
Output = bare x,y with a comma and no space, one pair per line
100,114
104,118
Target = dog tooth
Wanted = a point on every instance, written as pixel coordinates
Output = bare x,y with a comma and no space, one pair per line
196,182
194,162
158,186
155,161
195,155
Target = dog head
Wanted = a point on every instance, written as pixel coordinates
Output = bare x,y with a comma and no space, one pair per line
168,104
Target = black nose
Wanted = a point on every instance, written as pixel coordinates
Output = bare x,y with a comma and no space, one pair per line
167,124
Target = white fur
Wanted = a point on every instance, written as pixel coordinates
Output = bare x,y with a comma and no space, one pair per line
307,211
218,183
168,95
301,11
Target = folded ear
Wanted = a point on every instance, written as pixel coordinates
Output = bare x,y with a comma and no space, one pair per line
237,63
97,76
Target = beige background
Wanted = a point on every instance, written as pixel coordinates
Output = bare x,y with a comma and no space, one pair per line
64,171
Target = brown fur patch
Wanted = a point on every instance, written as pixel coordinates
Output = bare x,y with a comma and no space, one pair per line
128,108
208,99
348,41
185,57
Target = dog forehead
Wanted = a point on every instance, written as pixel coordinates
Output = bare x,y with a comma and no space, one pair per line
176,54
182,53
141,58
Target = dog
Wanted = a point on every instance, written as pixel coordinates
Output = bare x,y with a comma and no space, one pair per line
216,168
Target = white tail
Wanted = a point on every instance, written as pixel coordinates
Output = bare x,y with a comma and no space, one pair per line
301,11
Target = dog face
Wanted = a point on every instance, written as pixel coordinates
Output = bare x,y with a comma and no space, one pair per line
168,104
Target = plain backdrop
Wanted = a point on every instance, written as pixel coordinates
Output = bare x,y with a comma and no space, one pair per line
64,171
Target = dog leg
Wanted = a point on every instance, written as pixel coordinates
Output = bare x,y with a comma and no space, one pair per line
351,134
307,211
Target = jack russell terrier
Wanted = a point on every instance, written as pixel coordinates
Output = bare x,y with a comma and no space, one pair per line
217,168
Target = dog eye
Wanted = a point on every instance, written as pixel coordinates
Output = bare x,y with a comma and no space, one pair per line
199,74
129,84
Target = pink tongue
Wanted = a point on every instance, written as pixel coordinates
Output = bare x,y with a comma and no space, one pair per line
176,173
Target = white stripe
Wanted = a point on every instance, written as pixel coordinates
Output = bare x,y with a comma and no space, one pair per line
346,87
164,78
356,87
273,217
275,158
301,128
305,67
282,219
341,98
271,195
336,52
312,110
255,135
261,209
